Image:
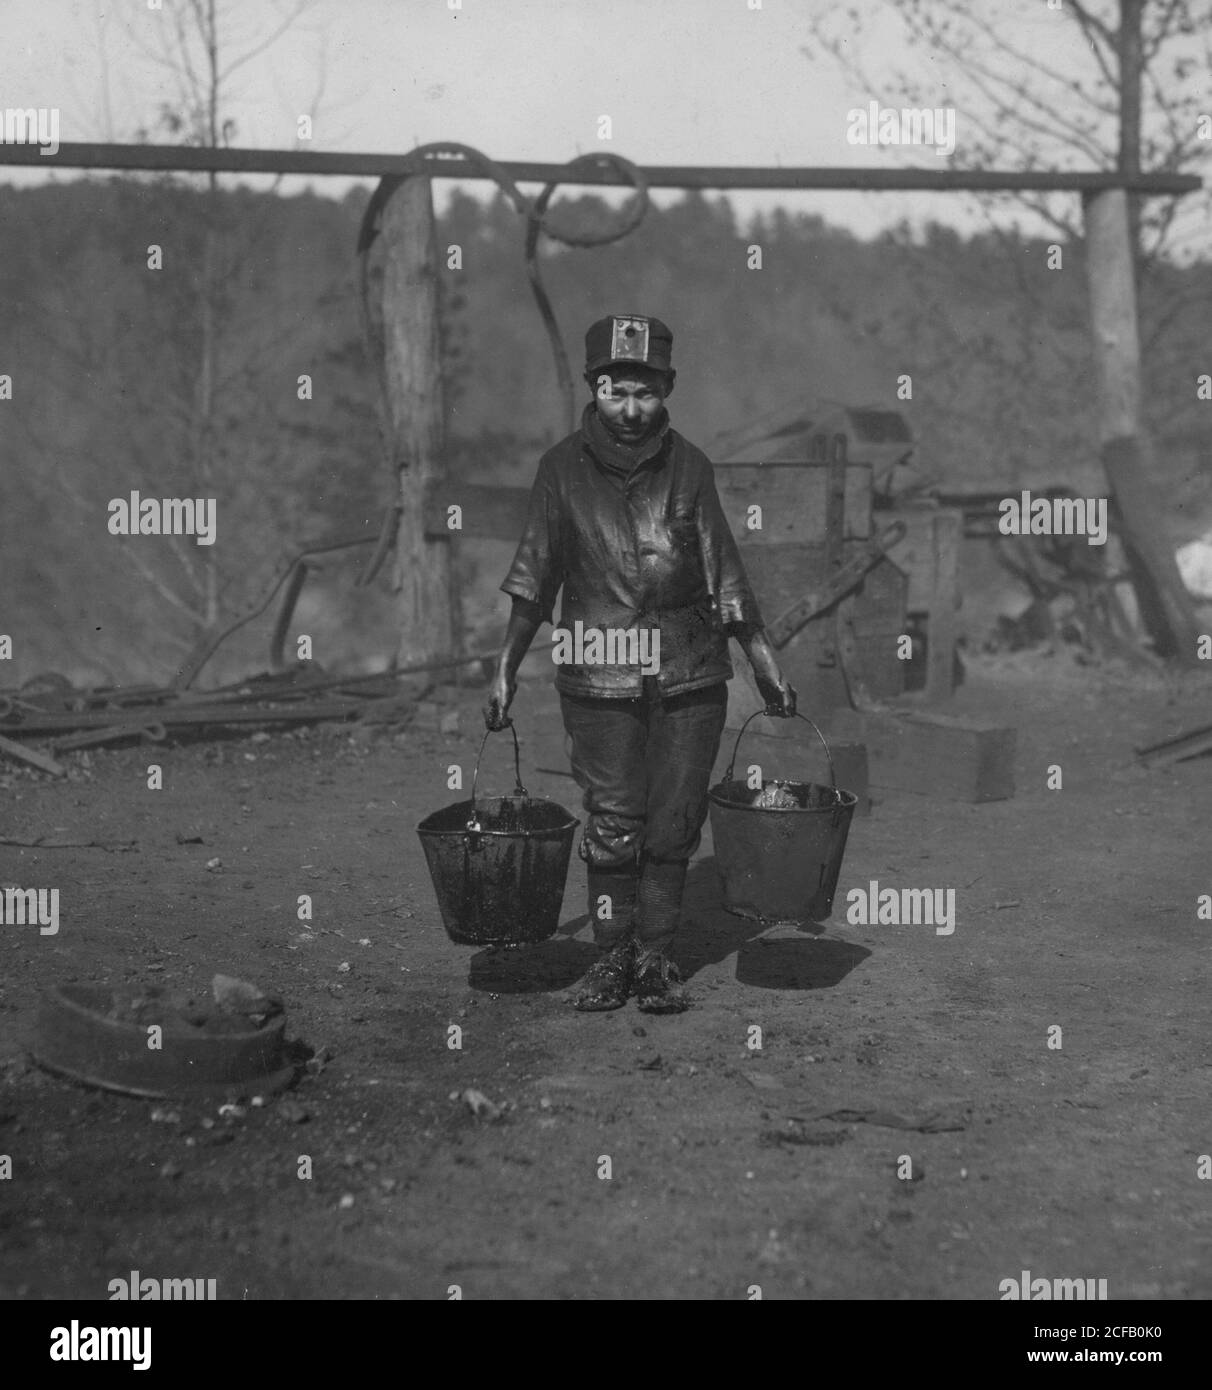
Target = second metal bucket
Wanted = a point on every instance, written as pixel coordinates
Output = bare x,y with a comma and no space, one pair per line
780,865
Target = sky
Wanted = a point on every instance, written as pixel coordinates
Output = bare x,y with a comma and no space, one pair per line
683,82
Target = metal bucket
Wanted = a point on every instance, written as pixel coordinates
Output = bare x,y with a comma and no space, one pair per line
499,864
780,866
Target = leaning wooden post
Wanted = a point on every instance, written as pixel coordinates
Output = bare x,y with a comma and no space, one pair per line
1165,604
947,528
413,363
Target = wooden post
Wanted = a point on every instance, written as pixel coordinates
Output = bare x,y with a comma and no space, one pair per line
835,527
1165,604
944,596
1130,51
413,357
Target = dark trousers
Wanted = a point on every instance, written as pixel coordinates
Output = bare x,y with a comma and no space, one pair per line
645,766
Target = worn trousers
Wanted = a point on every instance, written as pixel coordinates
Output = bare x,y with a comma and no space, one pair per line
645,767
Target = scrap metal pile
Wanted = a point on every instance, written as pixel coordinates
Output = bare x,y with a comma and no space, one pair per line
49,708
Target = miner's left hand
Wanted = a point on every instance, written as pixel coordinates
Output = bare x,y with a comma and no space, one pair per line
777,691
773,686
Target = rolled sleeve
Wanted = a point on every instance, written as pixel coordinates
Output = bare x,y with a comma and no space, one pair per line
723,567
537,572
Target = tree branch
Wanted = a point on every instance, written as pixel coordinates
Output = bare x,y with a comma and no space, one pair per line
300,8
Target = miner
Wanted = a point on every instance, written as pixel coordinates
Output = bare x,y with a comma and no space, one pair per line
625,517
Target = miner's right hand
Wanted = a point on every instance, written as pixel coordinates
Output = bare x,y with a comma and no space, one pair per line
500,697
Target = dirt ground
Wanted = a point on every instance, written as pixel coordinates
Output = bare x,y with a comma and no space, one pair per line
1074,907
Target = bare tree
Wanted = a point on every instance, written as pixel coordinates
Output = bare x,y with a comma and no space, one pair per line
203,47
1133,104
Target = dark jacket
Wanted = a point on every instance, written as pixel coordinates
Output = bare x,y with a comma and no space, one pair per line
645,548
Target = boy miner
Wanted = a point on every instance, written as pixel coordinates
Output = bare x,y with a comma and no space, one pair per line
625,515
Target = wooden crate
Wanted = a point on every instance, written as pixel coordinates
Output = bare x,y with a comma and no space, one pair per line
794,501
935,755
780,574
804,531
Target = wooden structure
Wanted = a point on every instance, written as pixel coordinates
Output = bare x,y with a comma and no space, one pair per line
924,550
844,661
814,520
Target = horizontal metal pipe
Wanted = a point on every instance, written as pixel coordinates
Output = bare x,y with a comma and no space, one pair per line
377,165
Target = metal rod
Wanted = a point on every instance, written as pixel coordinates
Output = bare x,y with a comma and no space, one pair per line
83,155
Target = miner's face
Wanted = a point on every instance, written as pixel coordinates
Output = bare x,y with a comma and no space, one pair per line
629,399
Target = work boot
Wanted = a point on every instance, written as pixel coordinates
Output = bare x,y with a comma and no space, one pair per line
658,983
607,983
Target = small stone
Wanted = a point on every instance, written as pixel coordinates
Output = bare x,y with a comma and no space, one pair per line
171,1170
344,968
232,1112
215,863
346,1201
160,1116
480,1106
292,1112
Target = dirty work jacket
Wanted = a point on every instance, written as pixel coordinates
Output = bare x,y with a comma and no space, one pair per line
649,549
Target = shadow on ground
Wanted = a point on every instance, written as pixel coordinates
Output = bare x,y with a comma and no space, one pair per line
709,935
545,967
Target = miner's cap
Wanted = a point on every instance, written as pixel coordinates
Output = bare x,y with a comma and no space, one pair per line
629,338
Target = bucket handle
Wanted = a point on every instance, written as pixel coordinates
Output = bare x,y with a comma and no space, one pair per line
798,715
519,790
